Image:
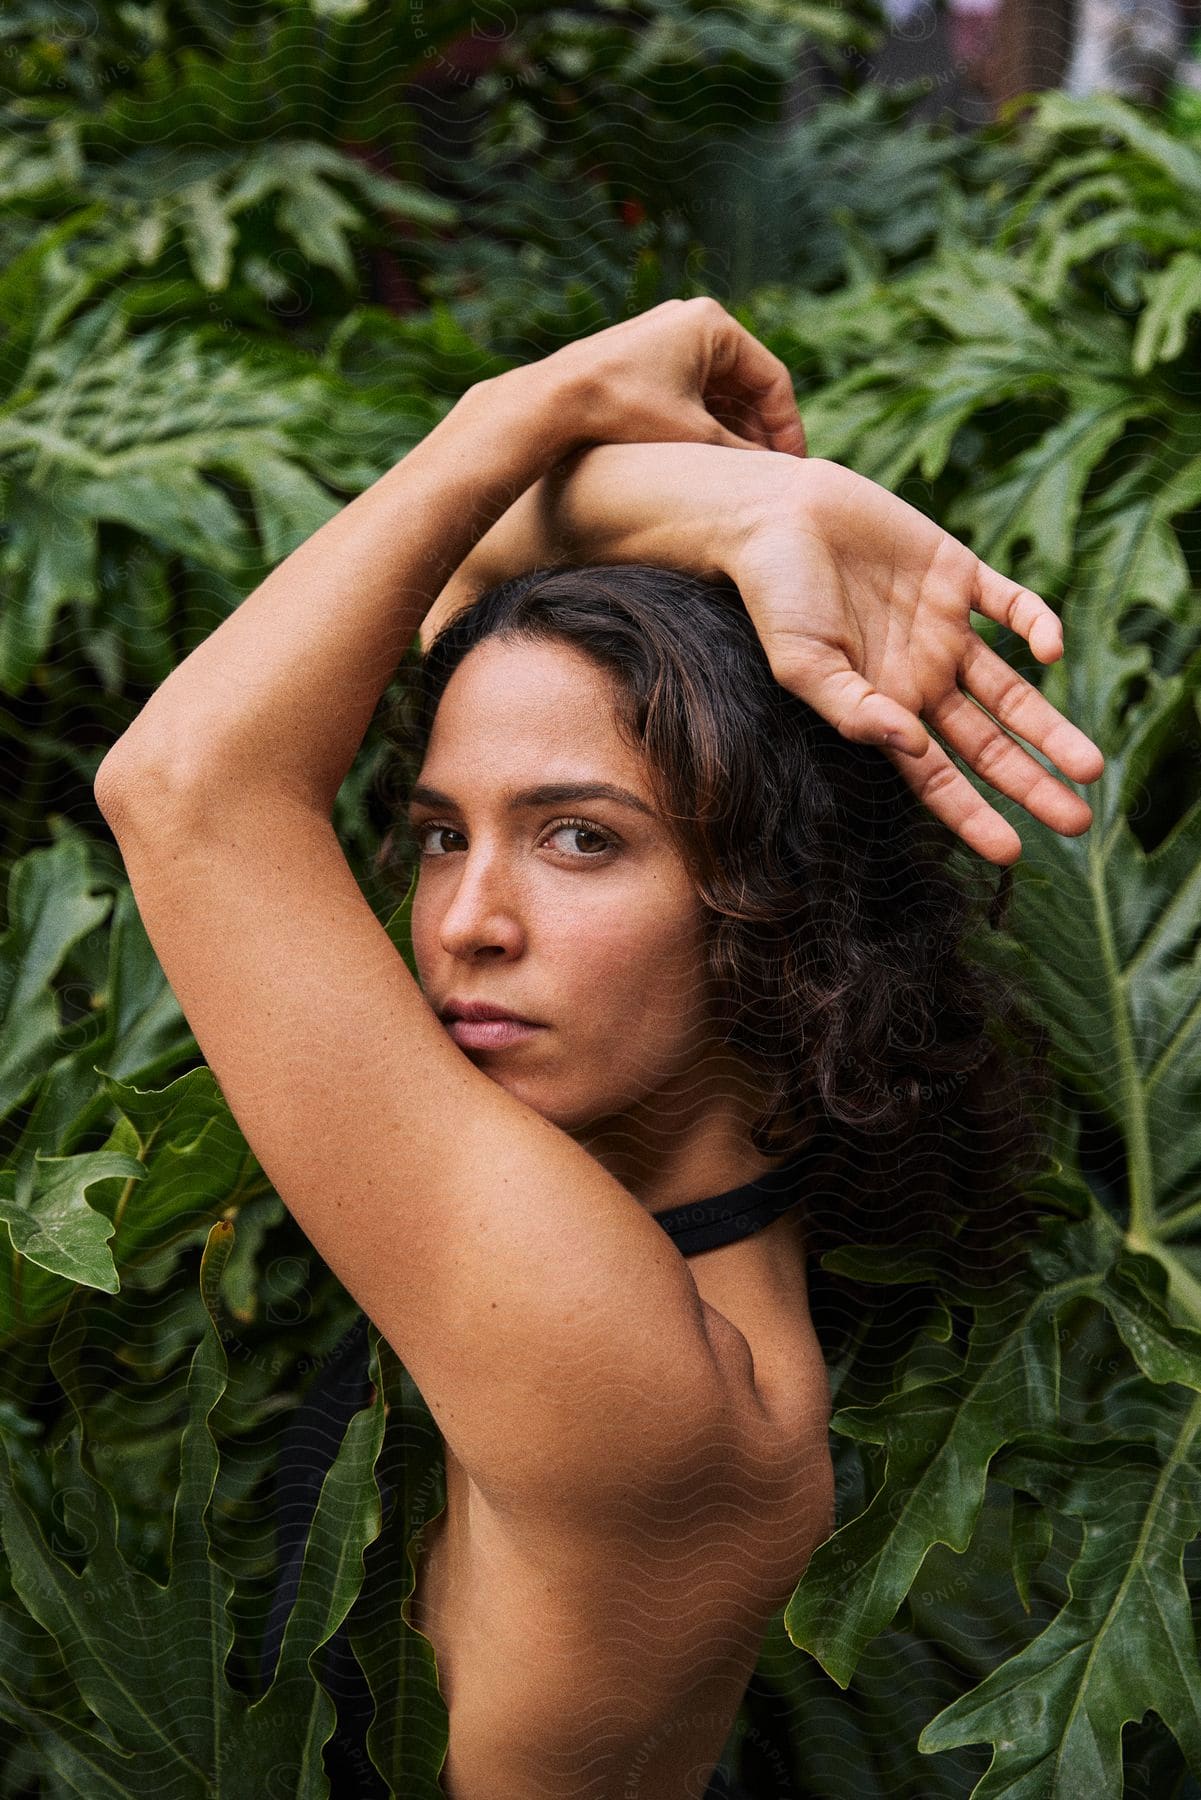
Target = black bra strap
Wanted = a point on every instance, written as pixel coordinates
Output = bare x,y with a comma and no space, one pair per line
719,1219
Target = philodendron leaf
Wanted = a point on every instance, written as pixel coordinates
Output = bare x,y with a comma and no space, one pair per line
1138,1490
49,909
1135,1294
148,1659
147,430
180,1161
408,1737
1119,995
1173,301
1032,1530
133,1026
940,1436
1038,496
1124,1642
53,1226
198,1160
143,1024
53,561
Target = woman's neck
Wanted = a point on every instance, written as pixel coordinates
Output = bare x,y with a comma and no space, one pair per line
680,1145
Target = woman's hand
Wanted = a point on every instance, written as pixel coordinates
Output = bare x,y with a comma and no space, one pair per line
863,606
684,372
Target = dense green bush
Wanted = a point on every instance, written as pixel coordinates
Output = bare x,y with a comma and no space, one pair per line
195,371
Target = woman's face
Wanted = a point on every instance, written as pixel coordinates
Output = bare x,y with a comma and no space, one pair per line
572,910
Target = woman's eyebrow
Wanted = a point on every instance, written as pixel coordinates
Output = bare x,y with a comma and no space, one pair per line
548,793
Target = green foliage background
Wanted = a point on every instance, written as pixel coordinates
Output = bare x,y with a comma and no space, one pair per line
248,257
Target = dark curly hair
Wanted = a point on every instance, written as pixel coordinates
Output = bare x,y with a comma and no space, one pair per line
840,931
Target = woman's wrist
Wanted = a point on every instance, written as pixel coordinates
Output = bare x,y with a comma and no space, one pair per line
692,507
686,506
540,404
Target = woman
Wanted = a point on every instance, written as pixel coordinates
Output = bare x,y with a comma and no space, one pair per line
636,1457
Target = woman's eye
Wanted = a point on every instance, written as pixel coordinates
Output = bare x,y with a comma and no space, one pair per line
584,842
421,832
601,841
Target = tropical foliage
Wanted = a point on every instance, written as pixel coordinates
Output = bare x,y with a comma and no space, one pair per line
240,275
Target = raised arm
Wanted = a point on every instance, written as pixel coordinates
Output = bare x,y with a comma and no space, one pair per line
661,504
252,704
862,603
526,1290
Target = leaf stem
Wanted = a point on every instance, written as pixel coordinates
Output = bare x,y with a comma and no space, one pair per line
1179,1222
1183,1286
1138,1144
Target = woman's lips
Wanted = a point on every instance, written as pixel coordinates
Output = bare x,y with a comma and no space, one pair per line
489,1034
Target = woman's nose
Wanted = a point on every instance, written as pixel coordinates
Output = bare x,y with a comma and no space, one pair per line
482,913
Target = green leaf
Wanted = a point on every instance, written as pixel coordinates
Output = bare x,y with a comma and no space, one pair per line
50,908
191,1163
154,491
1031,1534
1039,500
50,559
289,505
136,1029
53,1226
208,232
940,1437
148,1659
1136,1294
138,432
399,927
408,1737
1173,297
1123,1644
1108,114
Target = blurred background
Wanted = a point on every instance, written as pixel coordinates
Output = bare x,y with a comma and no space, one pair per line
250,252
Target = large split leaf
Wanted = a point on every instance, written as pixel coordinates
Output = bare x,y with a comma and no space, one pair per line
973,1420
140,432
149,1660
1120,995
1125,1642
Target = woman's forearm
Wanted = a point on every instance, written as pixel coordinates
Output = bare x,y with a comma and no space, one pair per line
283,691
680,506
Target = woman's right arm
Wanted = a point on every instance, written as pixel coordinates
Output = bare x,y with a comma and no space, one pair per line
863,606
662,504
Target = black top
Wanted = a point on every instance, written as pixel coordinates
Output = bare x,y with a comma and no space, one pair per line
723,1218
317,1427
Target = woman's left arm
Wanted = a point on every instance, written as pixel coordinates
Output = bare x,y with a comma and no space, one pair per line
281,694
526,1291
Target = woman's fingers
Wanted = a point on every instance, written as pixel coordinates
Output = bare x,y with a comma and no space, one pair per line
950,796
1009,603
820,674
1009,768
749,388
864,715
1019,706
822,677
